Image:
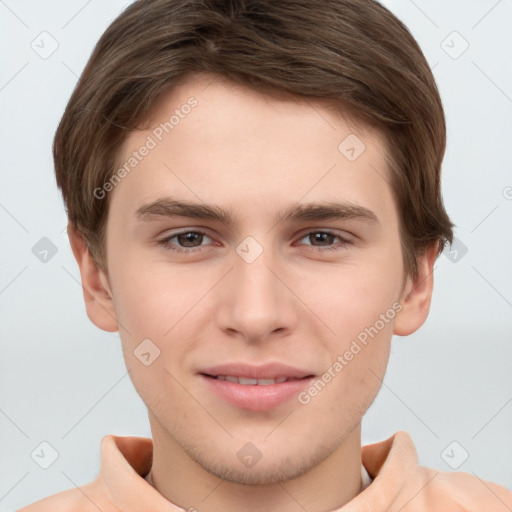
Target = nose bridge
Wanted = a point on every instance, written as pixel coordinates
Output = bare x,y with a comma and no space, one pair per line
254,281
255,303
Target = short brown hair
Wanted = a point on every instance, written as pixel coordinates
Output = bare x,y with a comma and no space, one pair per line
354,53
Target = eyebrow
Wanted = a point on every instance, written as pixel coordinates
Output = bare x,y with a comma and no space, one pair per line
300,212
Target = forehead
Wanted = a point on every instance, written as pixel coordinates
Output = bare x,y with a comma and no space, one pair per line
218,142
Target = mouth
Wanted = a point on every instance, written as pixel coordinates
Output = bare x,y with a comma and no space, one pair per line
255,388
244,381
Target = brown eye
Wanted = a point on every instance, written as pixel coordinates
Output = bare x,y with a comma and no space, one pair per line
321,238
323,241
185,240
189,239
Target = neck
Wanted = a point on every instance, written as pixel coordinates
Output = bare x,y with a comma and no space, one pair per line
326,487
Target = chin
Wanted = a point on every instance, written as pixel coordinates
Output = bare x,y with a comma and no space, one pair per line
266,474
282,467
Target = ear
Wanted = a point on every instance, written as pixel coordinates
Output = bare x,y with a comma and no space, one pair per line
95,286
417,295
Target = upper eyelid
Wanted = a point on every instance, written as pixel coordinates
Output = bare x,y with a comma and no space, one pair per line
300,236
184,232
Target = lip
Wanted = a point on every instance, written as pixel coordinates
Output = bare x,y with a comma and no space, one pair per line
256,397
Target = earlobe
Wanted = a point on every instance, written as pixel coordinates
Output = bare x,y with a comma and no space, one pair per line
417,295
95,286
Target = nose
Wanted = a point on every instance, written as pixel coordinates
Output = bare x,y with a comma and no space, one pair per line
255,303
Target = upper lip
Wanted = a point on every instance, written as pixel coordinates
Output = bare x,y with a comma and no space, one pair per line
265,371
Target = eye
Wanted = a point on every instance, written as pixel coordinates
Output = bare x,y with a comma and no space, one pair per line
192,241
186,241
323,241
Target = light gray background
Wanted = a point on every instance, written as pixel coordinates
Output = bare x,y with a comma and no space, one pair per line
63,381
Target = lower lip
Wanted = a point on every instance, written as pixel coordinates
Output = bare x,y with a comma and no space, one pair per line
254,397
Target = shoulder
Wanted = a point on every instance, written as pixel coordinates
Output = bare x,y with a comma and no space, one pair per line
410,487
124,459
465,491
86,498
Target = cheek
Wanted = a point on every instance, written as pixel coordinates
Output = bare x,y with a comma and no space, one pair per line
352,298
153,297
360,308
162,315
353,376
150,312
139,303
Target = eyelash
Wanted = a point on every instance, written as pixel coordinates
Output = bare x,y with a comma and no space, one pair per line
166,242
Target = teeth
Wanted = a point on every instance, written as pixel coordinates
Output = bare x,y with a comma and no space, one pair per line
246,382
252,382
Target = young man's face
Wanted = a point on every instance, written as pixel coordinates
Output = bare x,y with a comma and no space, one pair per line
260,294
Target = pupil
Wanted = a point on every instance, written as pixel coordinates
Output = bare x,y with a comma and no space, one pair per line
188,239
322,237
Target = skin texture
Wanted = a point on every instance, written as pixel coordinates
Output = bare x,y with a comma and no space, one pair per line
254,156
